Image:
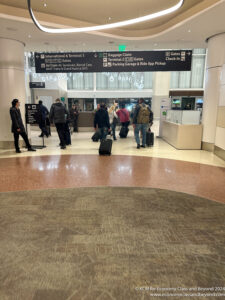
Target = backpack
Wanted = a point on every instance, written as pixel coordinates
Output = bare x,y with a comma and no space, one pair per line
143,115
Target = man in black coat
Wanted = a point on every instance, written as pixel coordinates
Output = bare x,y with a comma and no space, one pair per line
59,115
74,114
18,127
102,121
42,122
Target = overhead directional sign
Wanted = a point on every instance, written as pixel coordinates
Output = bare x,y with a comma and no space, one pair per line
37,85
133,61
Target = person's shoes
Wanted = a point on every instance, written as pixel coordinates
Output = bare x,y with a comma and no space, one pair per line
41,135
115,139
143,146
63,147
138,146
31,149
18,151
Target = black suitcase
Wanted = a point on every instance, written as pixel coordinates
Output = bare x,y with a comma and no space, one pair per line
105,147
123,132
96,136
149,138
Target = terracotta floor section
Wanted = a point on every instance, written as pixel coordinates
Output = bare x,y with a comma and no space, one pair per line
68,171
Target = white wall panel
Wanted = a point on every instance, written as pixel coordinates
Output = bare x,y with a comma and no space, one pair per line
220,137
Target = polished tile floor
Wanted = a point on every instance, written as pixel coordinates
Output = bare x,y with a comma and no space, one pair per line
194,172
82,144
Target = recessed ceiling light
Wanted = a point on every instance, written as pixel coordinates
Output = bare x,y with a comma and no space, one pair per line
106,26
110,18
45,4
155,44
29,36
189,30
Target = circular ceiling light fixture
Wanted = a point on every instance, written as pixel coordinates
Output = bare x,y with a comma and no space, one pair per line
106,26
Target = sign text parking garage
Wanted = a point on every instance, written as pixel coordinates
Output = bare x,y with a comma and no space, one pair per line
133,61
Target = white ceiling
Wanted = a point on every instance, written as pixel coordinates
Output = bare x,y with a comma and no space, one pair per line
191,33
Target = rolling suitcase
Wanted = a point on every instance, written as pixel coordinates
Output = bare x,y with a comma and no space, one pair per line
105,147
149,138
123,132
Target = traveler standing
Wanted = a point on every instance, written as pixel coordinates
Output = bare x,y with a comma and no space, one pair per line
142,117
58,116
113,119
124,116
74,113
42,122
18,127
102,121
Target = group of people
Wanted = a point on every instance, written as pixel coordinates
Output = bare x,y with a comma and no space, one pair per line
62,119
58,115
105,121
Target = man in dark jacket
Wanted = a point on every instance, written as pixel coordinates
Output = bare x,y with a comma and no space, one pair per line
143,116
42,122
74,113
102,121
18,127
58,116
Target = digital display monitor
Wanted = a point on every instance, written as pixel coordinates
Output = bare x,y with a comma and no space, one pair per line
176,101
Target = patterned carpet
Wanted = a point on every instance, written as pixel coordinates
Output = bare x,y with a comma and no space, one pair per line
109,243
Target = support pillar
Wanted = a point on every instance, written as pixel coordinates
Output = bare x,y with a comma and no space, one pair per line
214,97
12,85
161,88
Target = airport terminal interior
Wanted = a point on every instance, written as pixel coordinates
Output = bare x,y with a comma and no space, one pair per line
141,219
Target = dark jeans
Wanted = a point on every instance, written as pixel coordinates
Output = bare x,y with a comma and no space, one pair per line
143,129
42,126
75,128
61,129
103,132
67,135
113,127
16,139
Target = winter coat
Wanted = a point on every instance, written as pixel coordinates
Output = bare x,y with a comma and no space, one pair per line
58,113
17,122
101,118
136,112
124,115
44,112
112,115
74,113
